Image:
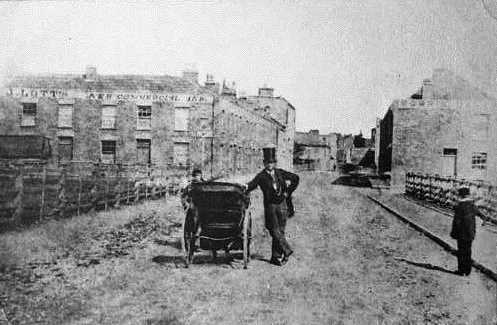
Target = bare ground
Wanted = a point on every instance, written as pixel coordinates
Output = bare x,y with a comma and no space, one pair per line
354,264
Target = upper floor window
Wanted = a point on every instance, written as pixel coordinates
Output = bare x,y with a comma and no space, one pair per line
144,118
181,116
108,117
28,114
479,160
65,116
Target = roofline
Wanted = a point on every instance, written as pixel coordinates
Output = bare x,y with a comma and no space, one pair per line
312,145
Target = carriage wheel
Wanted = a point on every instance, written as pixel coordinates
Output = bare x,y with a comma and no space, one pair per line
247,221
187,244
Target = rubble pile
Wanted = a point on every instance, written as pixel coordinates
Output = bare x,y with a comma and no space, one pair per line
118,242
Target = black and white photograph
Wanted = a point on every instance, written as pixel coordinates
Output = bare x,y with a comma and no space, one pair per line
261,162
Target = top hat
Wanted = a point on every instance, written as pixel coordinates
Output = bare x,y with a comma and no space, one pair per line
463,191
269,154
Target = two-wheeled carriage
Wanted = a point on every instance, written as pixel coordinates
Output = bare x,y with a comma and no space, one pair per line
223,220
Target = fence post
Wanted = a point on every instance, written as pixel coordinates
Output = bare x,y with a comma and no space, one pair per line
80,188
106,193
62,194
18,200
128,184
117,204
136,189
93,192
43,183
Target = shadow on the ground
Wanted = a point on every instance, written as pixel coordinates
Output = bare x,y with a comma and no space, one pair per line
167,259
352,180
427,266
171,243
205,259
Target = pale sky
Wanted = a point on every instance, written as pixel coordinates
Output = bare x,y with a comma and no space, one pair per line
340,63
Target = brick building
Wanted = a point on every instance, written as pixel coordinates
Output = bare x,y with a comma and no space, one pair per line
135,119
448,128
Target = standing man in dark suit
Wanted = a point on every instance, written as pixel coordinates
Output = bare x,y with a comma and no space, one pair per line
273,184
463,230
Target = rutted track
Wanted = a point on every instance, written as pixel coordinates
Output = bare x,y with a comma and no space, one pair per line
353,263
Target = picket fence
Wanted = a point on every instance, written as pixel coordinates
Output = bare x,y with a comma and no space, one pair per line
442,191
32,193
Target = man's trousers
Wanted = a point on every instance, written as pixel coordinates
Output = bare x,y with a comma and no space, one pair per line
464,256
275,217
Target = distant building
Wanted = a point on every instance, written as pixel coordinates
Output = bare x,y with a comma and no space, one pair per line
149,120
312,151
448,128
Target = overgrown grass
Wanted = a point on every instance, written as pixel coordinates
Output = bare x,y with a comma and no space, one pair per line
58,238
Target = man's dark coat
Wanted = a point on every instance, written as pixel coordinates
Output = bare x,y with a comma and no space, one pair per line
275,192
463,230
463,225
265,182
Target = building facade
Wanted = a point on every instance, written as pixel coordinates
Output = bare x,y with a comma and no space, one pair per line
446,128
149,120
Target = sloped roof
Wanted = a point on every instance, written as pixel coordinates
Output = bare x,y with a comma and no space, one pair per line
162,83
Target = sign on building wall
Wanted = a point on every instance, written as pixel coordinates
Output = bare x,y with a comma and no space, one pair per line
109,96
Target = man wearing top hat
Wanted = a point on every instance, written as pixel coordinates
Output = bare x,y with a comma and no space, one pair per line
463,229
273,184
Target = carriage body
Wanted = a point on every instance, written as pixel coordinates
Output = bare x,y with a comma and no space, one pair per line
223,216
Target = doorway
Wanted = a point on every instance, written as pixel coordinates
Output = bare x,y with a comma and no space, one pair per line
449,162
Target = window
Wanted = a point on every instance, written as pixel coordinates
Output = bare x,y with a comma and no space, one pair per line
143,151
108,117
181,119
65,116
65,149
144,118
450,152
479,160
181,152
28,114
108,152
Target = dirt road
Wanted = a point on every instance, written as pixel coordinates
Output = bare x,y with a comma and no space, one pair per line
353,264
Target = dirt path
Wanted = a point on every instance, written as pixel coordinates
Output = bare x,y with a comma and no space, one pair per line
353,264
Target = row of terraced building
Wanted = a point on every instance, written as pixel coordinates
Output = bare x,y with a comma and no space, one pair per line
157,120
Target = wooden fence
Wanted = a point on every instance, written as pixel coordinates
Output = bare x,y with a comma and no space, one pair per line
442,191
32,193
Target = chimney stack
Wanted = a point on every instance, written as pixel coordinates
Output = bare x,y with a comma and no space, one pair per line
90,73
191,74
427,90
211,84
266,91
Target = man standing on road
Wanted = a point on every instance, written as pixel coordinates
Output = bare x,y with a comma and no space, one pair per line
463,230
273,184
192,219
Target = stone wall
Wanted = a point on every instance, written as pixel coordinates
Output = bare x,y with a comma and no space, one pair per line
423,129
